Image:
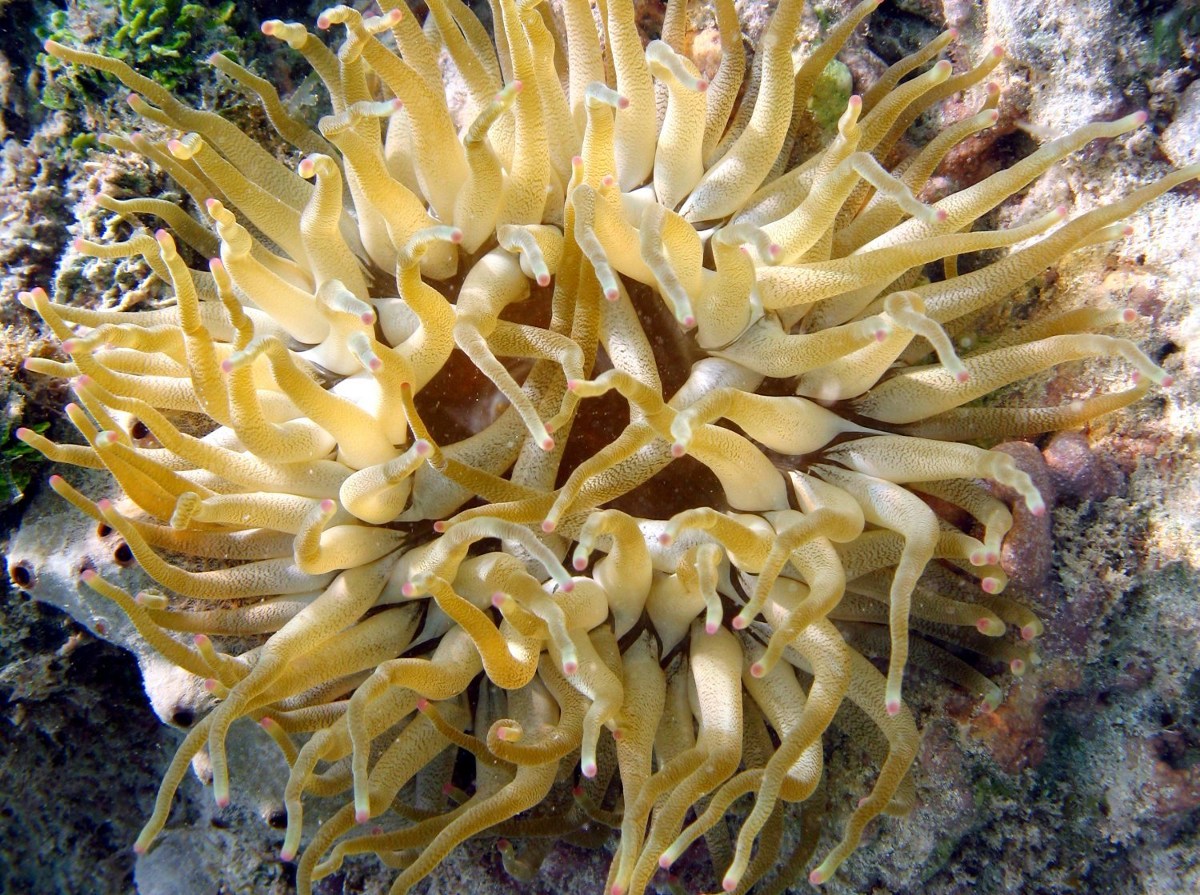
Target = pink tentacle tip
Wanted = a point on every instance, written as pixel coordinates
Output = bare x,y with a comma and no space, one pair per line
1129,315
139,849
1167,381
1017,666
78,243
439,527
618,734
757,669
612,293
712,628
88,575
104,505
56,480
1141,117
677,451
323,22
408,589
941,214
962,376
998,51
689,321
199,640
702,86
570,667
953,33
548,526
567,586
543,280
729,884
579,563
622,102
422,704
328,506
503,845
362,816
893,707
617,889
1028,632
499,599
546,444
287,855
665,862
222,801
665,539
990,585
740,622
590,770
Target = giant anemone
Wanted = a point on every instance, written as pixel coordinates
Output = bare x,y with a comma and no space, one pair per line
580,445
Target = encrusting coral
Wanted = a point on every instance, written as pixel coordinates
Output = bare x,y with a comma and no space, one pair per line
445,425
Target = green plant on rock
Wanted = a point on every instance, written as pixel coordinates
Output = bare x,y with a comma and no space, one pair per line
160,37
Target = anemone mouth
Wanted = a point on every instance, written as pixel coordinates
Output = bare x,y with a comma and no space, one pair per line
756,443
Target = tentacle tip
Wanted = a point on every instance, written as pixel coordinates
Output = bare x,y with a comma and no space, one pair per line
729,883
940,215
740,622
702,86
1141,117
546,444
543,280
104,505
1028,632
1129,315
893,707
56,480
622,102
579,563
618,734
711,628
569,668
549,525
1017,667
616,889
138,848
757,669
611,293
816,878
990,585
88,575
1167,381
688,321
422,704
998,51
439,526
362,816
992,558
589,770
408,589
222,801
962,376
328,506
952,33
287,855
677,451
227,366
567,586
323,22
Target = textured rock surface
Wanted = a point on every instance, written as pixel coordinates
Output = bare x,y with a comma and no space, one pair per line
1088,776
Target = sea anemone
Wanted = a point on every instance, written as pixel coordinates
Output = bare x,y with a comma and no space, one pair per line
575,446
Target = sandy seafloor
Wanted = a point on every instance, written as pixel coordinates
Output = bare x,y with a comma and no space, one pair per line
1087,779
